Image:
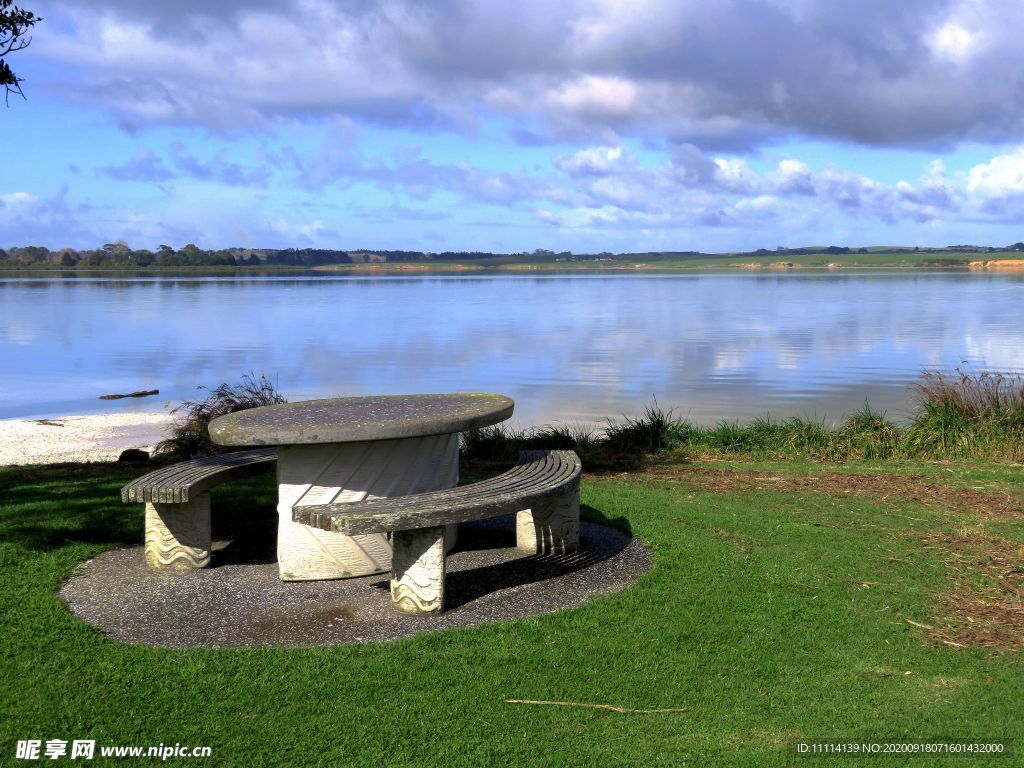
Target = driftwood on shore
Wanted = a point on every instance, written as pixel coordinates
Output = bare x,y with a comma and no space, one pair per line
140,393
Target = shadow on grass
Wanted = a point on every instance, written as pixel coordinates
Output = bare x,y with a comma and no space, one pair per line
48,507
595,515
45,508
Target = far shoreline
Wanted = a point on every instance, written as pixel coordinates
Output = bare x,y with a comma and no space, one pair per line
969,263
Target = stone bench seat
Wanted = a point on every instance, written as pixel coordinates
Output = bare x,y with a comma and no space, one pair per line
177,499
542,489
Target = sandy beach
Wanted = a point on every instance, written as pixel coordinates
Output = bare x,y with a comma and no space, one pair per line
97,437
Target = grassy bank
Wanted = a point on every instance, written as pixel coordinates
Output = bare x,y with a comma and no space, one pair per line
955,416
787,602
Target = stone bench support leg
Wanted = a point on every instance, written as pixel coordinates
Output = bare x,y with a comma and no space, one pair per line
178,535
417,570
551,528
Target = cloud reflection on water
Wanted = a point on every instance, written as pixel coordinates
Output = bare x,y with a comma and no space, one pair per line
566,348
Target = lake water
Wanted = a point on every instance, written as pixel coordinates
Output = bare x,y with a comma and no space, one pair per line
567,348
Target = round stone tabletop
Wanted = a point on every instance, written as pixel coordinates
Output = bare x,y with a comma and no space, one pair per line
352,419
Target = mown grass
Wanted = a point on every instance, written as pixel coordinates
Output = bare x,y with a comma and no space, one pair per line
777,611
955,416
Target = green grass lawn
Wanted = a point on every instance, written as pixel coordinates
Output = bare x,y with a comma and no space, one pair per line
778,610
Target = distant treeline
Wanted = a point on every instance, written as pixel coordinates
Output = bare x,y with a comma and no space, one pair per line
835,250
120,255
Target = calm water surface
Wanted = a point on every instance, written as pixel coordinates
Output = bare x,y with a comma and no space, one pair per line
567,348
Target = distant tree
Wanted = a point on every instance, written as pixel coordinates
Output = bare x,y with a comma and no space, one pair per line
15,23
31,254
117,248
140,258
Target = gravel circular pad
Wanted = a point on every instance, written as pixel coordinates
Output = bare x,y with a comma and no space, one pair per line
239,600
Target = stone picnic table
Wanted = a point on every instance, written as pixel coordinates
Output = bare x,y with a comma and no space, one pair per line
349,449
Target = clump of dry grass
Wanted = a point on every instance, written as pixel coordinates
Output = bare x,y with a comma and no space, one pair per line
973,397
963,414
190,436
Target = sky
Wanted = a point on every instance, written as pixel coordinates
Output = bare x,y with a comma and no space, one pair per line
583,125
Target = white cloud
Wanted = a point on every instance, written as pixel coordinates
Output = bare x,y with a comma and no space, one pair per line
1001,177
594,160
689,189
595,96
17,198
734,175
952,41
793,176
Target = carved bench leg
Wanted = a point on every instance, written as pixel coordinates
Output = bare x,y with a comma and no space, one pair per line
178,535
552,528
417,570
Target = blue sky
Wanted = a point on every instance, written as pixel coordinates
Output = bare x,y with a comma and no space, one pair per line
586,125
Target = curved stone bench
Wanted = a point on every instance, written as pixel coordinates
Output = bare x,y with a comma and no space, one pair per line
542,489
177,499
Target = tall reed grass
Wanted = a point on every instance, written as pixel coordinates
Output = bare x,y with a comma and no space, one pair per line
955,415
190,436
964,414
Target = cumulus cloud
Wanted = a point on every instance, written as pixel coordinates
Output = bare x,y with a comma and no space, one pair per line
26,218
794,177
1002,177
717,75
592,160
145,165
726,193
217,168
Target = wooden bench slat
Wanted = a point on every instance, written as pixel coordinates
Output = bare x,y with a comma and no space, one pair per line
527,473
543,474
131,491
449,495
523,475
179,483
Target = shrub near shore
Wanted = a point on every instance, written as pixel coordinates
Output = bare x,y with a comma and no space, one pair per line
959,415
190,435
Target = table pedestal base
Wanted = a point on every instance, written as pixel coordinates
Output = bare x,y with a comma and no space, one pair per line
348,472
